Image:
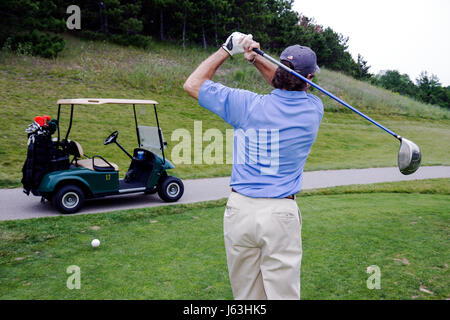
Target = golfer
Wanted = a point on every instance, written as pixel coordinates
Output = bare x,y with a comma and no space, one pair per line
273,135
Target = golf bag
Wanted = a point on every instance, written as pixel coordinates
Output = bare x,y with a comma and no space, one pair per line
43,156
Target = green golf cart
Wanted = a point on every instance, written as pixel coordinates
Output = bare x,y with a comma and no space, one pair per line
91,177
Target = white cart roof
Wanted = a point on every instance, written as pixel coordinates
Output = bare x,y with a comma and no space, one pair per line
87,101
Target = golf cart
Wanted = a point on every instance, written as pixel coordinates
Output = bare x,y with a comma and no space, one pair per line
68,182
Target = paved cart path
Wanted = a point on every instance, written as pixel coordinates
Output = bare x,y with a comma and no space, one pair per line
14,204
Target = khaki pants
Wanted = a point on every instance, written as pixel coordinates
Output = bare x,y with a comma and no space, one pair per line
264,247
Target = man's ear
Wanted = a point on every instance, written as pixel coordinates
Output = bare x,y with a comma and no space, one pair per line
309,77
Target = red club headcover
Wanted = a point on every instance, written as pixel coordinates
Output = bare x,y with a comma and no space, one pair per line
40,120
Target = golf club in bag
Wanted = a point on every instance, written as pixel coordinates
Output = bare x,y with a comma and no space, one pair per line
409,155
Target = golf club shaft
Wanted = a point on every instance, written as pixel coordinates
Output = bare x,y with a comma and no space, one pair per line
263,54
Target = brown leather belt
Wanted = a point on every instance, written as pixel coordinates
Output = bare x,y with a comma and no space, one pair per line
292,196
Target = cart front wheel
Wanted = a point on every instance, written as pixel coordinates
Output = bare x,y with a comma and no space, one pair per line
171,189
68,199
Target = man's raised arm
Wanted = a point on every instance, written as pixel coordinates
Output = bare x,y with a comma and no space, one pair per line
207,69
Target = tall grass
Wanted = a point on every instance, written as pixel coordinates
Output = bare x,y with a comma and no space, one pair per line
164,68
167,74
374,99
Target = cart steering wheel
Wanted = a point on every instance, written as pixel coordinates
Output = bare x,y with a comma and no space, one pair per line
111,138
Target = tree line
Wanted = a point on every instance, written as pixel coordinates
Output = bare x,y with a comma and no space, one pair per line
207,23
426,87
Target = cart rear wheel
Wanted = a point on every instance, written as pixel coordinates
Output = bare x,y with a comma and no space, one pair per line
68,199
170,189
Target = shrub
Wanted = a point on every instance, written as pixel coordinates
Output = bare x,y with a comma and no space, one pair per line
36,44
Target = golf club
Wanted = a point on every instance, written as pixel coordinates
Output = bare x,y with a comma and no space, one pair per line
409,155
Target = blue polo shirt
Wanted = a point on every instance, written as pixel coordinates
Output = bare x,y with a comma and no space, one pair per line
273,135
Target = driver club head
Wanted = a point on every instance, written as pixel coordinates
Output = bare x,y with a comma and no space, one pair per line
409,156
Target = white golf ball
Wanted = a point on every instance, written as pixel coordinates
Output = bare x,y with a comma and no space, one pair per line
95,243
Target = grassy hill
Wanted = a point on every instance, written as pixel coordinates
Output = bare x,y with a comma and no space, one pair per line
30,86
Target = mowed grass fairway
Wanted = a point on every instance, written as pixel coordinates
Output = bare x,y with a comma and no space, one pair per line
31,86
177,252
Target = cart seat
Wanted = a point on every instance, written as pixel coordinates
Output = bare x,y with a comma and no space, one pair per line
87,163
73,148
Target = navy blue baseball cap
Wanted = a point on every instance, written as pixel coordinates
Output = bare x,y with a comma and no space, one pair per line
302,58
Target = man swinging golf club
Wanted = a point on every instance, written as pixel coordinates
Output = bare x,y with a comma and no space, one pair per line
273,135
